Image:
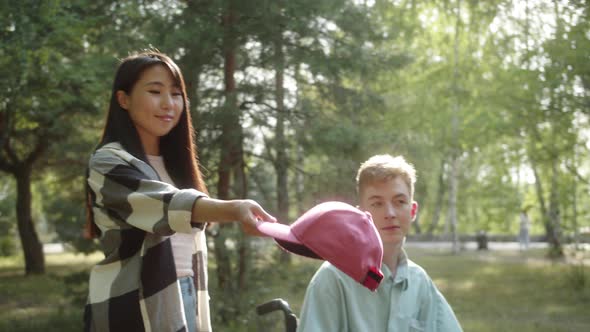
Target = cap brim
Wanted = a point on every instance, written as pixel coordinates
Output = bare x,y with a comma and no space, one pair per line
297,248
276,230
285,238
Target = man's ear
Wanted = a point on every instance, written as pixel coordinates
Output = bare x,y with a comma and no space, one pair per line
414,211
123,99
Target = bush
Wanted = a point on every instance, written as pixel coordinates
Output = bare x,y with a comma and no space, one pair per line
576,277
7,246
7,243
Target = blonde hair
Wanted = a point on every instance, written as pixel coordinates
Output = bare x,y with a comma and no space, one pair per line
384,167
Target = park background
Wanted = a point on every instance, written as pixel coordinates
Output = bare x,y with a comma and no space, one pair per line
490,100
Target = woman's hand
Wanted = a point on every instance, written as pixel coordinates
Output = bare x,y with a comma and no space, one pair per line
248,213
245,211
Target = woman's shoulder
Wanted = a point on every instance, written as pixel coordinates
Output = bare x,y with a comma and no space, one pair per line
111,152
112,146
111,155
112,149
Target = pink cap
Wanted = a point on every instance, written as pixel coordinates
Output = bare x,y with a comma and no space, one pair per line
337,232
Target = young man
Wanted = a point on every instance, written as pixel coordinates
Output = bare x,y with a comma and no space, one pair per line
406,299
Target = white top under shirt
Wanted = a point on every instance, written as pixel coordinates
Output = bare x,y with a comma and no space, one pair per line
183,245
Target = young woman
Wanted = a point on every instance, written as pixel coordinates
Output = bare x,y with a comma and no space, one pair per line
148,204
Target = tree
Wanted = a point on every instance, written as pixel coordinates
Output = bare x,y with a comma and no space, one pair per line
49,86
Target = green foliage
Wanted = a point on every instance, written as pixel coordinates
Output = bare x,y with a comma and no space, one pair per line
50,94
7,228
49,75
64,206
7,245
360,79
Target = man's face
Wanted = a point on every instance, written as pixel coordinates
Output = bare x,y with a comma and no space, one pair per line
391,207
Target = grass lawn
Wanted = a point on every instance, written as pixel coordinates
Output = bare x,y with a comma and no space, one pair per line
511,291
489,291
41,303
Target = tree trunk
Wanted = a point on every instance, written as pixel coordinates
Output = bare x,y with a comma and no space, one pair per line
299,175
575,203
300,182
281,162
452,219
416,224
224,276
439,199
453,183
243,261
538,187
230,163
575,215
22,170
32,247
554,217
550,214
554,229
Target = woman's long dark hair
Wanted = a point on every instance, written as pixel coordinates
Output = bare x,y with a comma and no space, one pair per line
177,147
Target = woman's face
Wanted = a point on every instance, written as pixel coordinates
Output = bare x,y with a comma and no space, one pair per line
154,105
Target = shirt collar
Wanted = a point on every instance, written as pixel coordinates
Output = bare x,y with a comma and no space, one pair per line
401,277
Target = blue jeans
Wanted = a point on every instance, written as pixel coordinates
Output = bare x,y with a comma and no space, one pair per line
189,299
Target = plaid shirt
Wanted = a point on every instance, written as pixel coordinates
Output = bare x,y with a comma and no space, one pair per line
135,288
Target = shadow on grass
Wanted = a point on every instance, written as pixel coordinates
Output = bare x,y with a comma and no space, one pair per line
511,291
35,303
50,302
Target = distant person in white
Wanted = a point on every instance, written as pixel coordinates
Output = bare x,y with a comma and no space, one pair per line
523,234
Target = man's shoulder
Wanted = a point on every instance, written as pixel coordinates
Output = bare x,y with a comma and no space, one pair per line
415,271
328,273
328,269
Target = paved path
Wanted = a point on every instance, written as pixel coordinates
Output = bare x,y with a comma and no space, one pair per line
472,245
53,248
507,251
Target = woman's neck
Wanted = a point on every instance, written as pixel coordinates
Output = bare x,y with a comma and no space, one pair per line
151,151
151,145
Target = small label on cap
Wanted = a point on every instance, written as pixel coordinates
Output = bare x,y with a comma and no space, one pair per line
373,278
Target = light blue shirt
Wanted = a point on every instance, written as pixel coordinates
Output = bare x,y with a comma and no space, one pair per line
407,302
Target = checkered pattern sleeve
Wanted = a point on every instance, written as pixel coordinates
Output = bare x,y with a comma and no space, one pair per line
128,194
